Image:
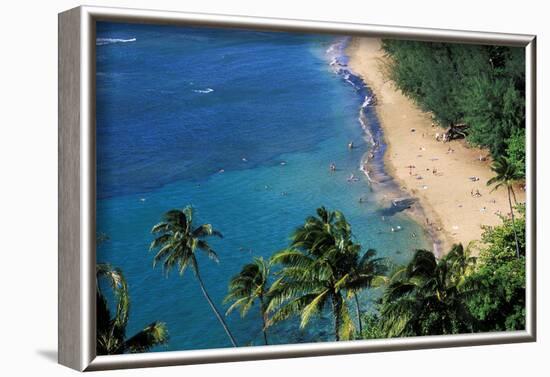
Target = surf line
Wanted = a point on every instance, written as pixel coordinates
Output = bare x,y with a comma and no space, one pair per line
372,163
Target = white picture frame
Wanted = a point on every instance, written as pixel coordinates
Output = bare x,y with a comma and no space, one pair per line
77,190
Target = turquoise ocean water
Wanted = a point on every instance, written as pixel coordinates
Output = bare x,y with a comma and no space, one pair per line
243,125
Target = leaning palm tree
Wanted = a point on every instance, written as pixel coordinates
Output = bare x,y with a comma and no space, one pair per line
367,272
506,175
423,298
247,287
316,269
111,329
179,242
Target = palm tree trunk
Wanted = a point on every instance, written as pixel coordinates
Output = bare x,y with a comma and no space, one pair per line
358,309
263,314
336,313
220,318
513,222
514,195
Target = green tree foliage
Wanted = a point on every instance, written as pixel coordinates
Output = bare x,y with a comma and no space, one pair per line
366,272
506,174
321,268
516,151
482,86
247,287
372,327
498,284
178,244
111,327
458,293
427,296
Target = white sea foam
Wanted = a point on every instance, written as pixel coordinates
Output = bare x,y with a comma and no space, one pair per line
366,102
106,41
338,59
207,90
368,136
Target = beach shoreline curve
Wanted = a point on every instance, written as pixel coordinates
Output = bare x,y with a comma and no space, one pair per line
437,175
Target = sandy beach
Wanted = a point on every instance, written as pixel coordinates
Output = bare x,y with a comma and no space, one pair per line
438,174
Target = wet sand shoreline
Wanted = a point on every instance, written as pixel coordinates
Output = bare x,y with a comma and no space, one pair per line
443,178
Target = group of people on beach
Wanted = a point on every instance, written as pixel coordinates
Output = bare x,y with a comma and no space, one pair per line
475,194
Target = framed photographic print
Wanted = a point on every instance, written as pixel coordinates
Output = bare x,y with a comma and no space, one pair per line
235,188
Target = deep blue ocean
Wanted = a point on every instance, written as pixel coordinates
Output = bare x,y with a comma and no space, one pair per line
243,125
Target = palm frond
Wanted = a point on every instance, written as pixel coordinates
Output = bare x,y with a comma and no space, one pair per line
160,241
313,307
118,284
243,304
153,335
175,219
291,308
291,257
206,230
177,243
210,253
161,227
111,331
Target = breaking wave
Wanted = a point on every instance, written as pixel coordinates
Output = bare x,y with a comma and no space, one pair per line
107,41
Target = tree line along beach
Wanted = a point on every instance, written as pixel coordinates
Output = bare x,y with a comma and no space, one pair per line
449,179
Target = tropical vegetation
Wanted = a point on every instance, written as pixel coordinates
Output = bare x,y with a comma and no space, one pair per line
178,243
111,324
324,271
427,296
506,174
498,282
248,287
322,268
460,293
482,87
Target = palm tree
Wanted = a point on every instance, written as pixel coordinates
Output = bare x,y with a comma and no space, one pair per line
460,262
424,298
367,272
506,175
249,286
316,270
178,243
111,330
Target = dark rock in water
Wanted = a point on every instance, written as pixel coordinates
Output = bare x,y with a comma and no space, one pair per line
397,205
403,202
